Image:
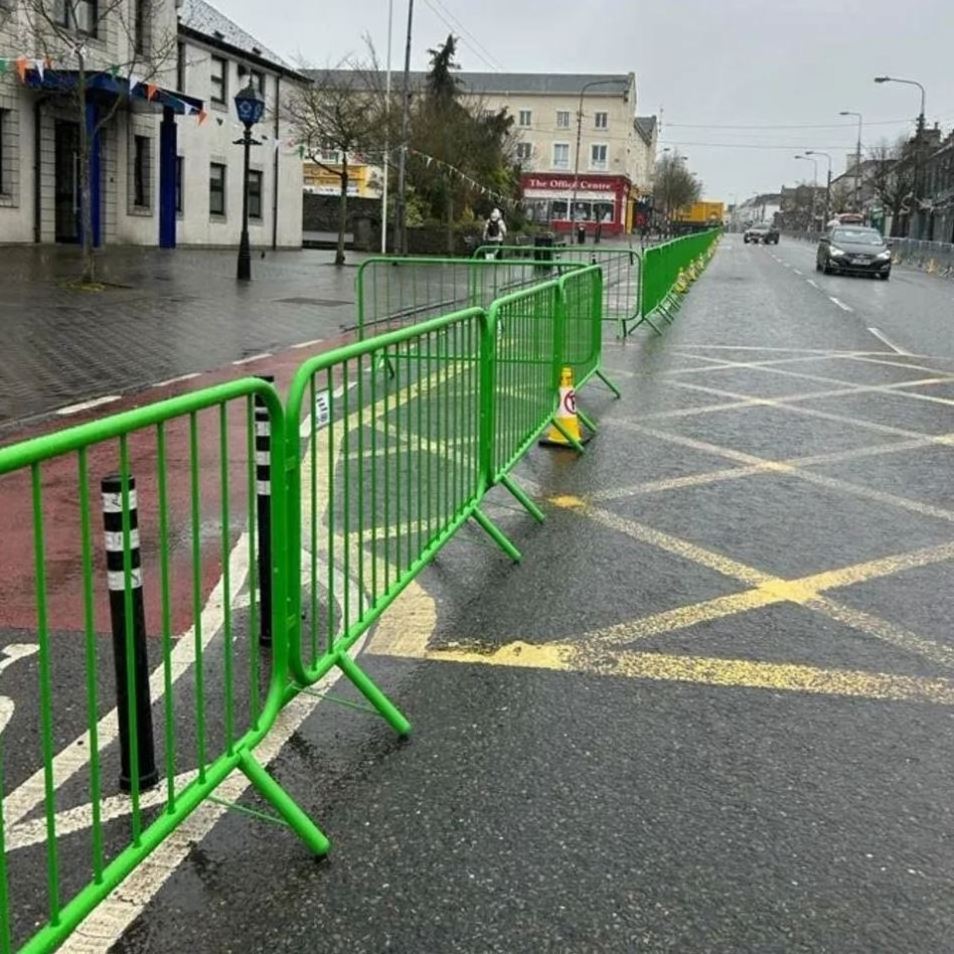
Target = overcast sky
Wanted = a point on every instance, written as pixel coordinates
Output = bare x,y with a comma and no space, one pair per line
706,63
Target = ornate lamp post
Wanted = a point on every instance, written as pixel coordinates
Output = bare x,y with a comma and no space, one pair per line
250,106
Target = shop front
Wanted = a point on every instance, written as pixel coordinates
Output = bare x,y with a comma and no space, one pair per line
602,201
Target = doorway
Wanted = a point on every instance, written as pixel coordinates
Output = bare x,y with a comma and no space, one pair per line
67,192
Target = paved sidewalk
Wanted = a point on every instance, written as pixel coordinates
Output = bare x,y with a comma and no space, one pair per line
162,314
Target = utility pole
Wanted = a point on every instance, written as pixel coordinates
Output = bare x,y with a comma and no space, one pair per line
815,152
400,230
387,138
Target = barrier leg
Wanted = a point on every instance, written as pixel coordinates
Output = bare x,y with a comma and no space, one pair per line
263,504
392,715
522,498
497,535
573,442
285,805
587,420
608,383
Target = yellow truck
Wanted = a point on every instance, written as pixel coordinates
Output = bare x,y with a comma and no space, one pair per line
698,217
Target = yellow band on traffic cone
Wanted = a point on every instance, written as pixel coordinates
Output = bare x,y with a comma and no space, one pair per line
682,285
566,415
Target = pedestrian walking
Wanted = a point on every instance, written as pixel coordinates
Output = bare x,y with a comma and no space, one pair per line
495,231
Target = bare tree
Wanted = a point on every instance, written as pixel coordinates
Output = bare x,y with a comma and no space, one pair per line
61,30
340,113
674,187
892,178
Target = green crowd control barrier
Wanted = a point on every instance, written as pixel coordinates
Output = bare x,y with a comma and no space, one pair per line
621,273
367,477
392,291
212,695
661,270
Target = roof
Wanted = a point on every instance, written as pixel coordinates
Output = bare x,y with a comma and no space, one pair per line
646,127
201,19
543,84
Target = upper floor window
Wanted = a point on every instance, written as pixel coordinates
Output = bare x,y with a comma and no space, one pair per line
181,67
563,119
524,117
600,120
140,24
256,77
598,156
219,77
561,155
524,151
79,15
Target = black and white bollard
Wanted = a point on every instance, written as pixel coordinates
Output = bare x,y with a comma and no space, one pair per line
263,490
111,487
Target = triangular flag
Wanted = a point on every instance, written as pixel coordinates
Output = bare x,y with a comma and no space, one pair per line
3,66
219,120
48,61
151,90
134,81
22,63
114,71
40,68
203,116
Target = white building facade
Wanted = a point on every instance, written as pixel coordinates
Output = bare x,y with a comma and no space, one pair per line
159,82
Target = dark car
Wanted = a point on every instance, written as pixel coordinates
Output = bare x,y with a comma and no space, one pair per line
765,234
853,249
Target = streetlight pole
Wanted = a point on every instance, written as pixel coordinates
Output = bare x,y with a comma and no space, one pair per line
579,136
815,152
250,106
814,162
387,137
918,144
848,112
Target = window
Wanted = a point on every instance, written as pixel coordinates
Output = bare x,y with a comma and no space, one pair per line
142,167
220,86
140,24
257,78
524,149
179,186
561,155
79,15
217,188
4,120
600,120
598,156
254,194
181,67
563,119
524,118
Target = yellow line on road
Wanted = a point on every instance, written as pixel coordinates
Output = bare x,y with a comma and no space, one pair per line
711,671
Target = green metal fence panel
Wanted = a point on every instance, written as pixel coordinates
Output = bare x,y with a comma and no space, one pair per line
660,272
621,273
213,698
581,300
391,467
392,292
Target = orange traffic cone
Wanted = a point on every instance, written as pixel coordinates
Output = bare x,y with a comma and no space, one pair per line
566,415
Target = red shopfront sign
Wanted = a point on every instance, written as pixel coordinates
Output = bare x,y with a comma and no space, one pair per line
565,183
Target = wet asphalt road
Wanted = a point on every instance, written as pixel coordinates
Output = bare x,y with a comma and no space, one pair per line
762,774
680,724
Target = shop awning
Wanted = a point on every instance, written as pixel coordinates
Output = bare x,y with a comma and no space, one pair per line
106,85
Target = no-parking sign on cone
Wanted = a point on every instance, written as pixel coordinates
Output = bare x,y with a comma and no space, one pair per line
566,415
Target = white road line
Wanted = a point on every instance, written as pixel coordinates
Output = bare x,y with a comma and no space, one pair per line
840,304
308,344
881,336
254,357
86,405
797,272
181,377
812,282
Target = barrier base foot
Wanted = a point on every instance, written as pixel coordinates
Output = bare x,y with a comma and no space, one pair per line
609,383
522,498
285,805
570,440
497,535
392,715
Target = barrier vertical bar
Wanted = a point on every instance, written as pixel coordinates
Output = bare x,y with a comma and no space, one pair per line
263,487
112,492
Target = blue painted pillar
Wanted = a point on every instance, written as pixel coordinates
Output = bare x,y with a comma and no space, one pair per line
167,179
95,171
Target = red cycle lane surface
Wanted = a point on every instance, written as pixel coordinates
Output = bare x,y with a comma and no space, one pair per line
61,508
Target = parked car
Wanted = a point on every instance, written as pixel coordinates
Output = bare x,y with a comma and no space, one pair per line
853,249
766,234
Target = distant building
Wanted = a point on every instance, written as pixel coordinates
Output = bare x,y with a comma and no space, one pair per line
761,209
160,80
